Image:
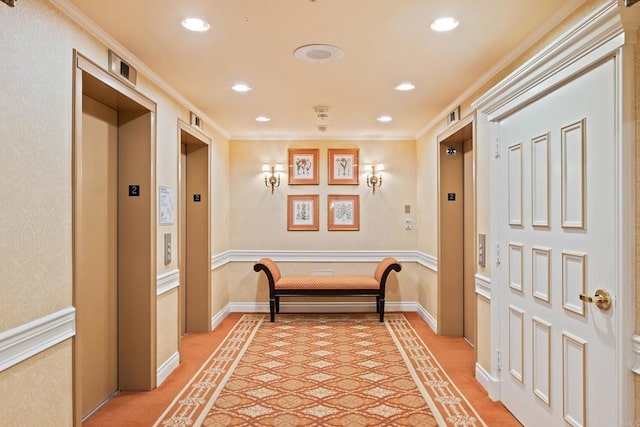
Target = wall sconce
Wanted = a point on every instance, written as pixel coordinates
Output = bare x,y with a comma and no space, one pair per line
374,175
272,180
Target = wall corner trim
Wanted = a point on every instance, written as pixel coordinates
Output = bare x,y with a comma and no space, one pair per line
22,342
635,340
167,281
167,368
483,286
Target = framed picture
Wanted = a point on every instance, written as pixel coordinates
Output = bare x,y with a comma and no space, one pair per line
343,166
303,166
344,212
302,213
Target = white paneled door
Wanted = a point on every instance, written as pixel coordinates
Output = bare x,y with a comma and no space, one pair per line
558,170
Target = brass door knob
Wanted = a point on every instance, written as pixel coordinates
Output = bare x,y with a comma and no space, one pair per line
602,299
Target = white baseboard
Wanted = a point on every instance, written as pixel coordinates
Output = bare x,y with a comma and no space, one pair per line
428,318
491,384
219,316
167,368
321,307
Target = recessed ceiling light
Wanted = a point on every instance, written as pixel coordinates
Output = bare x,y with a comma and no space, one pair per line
384,118
318,53
195,24
241,87
403,87
263,119
444,24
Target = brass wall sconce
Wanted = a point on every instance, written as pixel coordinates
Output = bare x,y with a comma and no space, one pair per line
374,175
272,175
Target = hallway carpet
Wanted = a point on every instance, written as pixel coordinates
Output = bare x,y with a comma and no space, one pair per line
338,370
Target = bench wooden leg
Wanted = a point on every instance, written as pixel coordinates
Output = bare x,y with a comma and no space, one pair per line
381,303
277,304
272,309
377,304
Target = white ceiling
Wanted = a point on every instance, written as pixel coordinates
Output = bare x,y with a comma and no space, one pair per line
385,42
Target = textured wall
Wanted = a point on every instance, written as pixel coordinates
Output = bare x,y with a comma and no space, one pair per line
38,391
259,219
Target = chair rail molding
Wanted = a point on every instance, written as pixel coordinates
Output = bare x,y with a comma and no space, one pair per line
483,286
237,255
20,343
167,281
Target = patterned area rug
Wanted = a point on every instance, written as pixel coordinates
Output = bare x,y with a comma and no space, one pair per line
321,370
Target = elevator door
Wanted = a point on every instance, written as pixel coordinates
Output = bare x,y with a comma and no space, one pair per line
96,255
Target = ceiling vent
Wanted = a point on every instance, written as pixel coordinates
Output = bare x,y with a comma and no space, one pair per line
318,53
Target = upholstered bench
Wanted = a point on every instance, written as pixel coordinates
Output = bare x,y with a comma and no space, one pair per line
338,285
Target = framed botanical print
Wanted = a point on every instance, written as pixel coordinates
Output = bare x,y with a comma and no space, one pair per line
303,166
302,213
344,212
343,166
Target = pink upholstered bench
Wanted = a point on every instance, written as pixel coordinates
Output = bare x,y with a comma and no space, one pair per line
339,285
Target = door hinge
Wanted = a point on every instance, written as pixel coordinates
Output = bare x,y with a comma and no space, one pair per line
497,254
497,147
498,361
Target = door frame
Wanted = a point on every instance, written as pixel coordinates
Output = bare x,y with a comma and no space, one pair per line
195,274
137,270
598,36
453,325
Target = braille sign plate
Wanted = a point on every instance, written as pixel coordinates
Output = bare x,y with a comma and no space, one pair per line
134,191
451,197
197,197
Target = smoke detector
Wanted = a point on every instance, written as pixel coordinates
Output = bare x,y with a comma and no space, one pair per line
318,53
322,112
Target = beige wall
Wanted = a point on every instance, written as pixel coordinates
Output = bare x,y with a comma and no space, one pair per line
36,217
259,219
483,324
637,320
37,392
167,326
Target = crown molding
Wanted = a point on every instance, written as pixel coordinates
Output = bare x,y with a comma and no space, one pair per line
87,24
561,14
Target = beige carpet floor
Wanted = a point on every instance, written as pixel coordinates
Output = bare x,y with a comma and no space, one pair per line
321,370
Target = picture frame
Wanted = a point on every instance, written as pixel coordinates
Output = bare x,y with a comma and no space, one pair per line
343,166
303,212
344,212
303,166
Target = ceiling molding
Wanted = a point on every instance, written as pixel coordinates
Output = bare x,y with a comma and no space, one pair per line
87,24
288,137
561,14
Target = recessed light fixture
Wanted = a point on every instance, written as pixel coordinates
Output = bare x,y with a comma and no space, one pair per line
403,87
263,119
241,87
384,118
195,24
444,24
